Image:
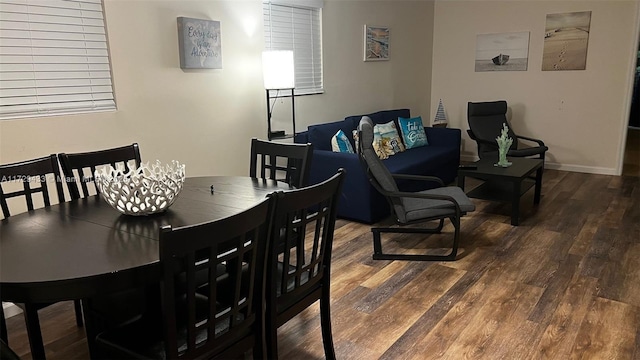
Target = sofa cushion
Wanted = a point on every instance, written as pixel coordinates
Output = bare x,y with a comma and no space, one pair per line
421,160
380,117
320,135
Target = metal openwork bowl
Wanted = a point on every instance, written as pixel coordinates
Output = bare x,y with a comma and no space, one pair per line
142,191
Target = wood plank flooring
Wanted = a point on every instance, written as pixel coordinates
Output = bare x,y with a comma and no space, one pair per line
565,284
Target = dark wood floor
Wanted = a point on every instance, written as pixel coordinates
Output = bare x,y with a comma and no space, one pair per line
564,284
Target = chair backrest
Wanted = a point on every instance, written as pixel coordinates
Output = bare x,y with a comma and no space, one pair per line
279,161
32,174
485,122
84,165
299,264
378,174
223,322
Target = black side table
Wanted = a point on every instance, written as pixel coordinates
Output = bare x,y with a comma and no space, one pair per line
505,184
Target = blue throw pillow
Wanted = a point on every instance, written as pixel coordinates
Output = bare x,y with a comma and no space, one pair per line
412,131
340,143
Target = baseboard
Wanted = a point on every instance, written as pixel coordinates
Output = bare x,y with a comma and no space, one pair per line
581,169
563,167
10,310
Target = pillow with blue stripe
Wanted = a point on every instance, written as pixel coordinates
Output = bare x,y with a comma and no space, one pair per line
340,143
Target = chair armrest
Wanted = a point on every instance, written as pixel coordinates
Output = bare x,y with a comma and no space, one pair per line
419,178
538,141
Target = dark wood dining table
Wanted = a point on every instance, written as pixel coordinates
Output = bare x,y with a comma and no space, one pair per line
85,248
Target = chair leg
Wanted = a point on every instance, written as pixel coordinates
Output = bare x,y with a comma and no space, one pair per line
78,310
3,327
325,324
33,331
271,335
378,254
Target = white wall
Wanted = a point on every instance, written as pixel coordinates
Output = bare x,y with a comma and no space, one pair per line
205,118
581,115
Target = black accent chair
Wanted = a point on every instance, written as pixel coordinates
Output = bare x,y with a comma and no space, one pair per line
35,176
411,207
223,324
289,163
485,124
88,161
299,276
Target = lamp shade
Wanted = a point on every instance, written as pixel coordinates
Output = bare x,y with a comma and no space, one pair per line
277,68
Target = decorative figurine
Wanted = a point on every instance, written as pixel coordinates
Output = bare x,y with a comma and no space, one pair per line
504,143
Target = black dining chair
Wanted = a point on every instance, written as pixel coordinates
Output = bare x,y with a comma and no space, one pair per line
223,323
80,167
299,267
285,162
36,177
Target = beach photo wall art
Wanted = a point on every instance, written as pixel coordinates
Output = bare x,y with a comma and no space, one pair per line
376,43
565,41
199,44
502,52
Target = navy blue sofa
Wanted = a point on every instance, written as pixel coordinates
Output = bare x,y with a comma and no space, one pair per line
360,201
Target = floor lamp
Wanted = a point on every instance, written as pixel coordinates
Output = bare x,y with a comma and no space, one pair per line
278,70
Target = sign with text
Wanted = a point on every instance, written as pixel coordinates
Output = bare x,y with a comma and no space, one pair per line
199,44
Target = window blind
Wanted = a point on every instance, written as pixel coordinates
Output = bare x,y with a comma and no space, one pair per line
297,28
54,58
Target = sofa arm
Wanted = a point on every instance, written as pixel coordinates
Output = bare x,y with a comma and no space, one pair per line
301,137
447,137
359,201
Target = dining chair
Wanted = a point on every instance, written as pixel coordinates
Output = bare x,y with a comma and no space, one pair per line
299,271
36,177
285,162
223,323
85,164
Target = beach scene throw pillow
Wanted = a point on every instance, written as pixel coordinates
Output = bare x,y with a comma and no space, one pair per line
386,140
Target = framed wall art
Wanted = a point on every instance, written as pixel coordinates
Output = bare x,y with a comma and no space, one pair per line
502,52
199,44
566,37
376,43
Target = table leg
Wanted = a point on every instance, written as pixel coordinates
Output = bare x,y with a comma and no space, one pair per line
515,204
33,332
461,181
536,195
90,329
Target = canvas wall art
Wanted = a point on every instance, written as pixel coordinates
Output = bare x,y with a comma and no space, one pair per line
376,43
565,41
502,52
199,44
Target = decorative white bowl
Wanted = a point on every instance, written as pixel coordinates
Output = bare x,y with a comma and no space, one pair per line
142,191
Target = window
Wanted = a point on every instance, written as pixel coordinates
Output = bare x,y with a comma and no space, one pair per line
296,25
53,58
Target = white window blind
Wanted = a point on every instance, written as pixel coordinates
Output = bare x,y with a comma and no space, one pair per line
53,58
298,28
